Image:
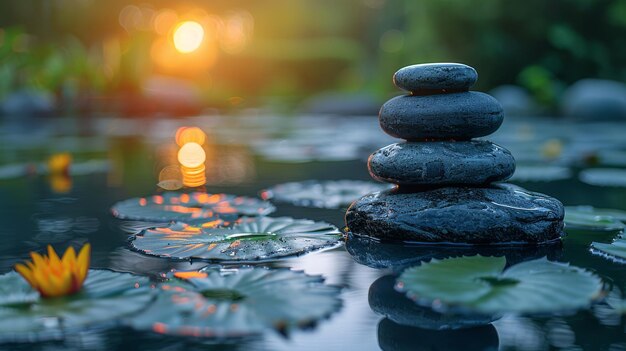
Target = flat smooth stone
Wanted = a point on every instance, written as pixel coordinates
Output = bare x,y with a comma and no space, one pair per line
498,214
435,76
474,162
457,116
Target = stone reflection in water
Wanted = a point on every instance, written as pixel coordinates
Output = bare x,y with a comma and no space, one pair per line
408,326
396,337
376,254
385,300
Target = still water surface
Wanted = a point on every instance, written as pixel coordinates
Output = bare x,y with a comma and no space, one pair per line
34,211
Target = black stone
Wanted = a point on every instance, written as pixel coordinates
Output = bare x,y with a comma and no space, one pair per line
435,76
457,116
474,162
498,214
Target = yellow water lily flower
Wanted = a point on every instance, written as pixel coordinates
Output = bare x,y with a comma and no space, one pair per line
59,163
53,276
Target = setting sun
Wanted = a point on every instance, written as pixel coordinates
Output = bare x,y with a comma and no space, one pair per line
188,36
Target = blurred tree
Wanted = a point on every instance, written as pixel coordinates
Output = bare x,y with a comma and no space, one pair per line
300,47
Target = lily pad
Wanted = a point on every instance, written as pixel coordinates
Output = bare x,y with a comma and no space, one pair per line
608,212
301,151
248,239
173,206
588,218
540,173
125,260
231,303
322,194
105,298
482,285
613,177
617,302
136,227
615,250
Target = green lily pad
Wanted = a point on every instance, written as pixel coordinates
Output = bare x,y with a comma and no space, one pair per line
248,239
589,218
610,177
322,194
172,206
105,298
606,212
527,173
615,250
238,302
482,285
617,303
136,227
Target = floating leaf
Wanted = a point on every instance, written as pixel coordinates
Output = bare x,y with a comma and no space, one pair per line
322,194
606,212
106,296
182,206
136,227
612,157
248,239
540,173
615,177
300,151
170,184
616,302
125,260
238,302
481,285
588,218
616,249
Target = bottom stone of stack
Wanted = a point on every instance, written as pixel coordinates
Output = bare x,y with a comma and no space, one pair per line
497,214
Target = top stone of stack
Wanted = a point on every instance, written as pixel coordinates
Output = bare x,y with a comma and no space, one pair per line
439,107
431,78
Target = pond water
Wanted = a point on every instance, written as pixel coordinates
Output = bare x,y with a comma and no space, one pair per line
120,159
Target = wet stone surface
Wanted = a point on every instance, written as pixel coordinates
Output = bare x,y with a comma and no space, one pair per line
498,214
457,116
435,76
440,163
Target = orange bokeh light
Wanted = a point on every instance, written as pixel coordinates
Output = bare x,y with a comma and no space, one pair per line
186,135
165,21
188,36
191,155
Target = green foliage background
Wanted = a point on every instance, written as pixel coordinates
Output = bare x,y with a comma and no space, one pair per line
307,46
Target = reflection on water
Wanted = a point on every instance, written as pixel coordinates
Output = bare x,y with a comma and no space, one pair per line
385,300
376,254
398,337
256,151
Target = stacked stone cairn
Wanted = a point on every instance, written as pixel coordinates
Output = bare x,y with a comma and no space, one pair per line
447,181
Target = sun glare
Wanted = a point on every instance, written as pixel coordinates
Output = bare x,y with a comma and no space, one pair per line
188,36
